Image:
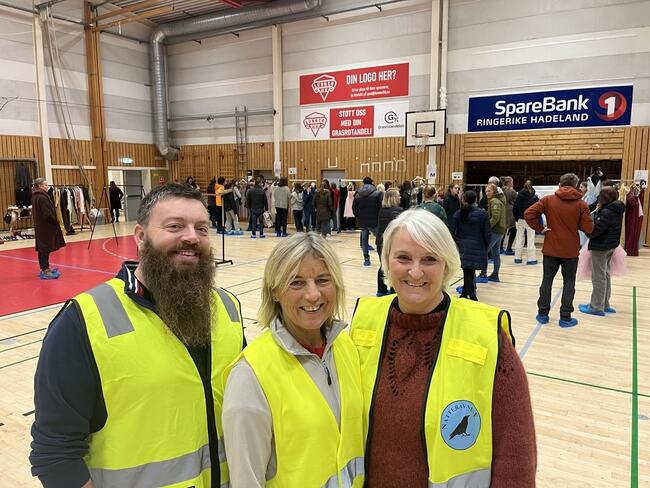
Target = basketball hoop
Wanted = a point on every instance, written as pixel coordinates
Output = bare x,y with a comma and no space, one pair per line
421,141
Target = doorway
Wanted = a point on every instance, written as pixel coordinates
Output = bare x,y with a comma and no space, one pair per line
133,193
333,176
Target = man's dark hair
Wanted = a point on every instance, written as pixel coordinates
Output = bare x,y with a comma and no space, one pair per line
367,180
283,181
165,192
569,179
221,180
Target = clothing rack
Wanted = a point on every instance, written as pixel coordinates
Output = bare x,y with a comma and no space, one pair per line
81,217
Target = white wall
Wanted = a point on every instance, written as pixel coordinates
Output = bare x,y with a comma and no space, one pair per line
227,72
125,78
503,46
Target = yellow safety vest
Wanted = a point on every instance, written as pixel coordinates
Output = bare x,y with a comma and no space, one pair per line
458,413
156,427
310,449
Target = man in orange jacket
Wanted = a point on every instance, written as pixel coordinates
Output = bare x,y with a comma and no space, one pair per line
566,213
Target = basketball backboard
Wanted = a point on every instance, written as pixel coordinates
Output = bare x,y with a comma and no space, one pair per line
431,123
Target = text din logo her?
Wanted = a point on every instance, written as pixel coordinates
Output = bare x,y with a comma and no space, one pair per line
324,85
315,121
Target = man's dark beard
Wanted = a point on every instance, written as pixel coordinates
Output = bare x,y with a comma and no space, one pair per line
182,292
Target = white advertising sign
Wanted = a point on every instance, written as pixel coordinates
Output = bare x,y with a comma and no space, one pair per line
363,120
456,175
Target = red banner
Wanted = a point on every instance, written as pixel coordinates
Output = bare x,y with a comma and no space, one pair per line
391,80
352,122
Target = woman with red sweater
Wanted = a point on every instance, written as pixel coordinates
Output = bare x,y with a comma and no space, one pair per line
445,393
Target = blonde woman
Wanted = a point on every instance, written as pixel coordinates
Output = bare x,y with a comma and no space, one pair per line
292,411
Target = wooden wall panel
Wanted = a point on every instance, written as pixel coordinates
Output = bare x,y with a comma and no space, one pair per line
143,155
62,152
546,145
450,158
636,155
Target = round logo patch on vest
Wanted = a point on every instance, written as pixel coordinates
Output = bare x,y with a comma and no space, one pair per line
460,425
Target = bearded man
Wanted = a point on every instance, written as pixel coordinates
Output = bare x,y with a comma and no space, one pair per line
128,386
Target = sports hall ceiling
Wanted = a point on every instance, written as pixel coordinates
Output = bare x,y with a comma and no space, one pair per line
151,12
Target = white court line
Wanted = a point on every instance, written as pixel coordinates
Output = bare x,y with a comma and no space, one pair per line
31,311
538,327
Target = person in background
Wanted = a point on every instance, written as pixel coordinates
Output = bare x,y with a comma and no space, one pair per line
566,213
324,210
429,203
336,194
603,241
390,209
525,198
115,197
190,181
212,201
281,197
381,188
296,206
218,190
126,391
349,220
308,203
511,230
446,395
257,203
47,230
293,405
470,228
229,203
366,205
405,194
452,201
497,215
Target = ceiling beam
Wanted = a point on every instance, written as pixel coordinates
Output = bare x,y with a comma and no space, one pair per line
233,3
138,17
130,8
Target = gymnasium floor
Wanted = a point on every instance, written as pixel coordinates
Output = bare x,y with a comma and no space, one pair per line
590,384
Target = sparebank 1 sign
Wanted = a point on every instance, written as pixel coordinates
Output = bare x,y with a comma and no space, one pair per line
581,107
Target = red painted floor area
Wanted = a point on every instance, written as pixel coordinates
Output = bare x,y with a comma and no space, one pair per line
81,268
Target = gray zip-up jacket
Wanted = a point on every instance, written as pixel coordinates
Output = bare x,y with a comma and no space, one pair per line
246,417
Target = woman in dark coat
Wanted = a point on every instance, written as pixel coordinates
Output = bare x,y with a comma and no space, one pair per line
470,227
603,241
324,208
49,237
451,203
390,209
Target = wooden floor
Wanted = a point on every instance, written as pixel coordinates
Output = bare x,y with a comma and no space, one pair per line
590,384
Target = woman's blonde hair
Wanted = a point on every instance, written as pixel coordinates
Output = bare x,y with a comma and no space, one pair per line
428,231
391,198
282,266
494,188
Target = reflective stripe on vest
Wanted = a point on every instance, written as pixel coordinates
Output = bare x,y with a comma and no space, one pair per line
161,473
354,469
304,426
466,352
150,385
482,477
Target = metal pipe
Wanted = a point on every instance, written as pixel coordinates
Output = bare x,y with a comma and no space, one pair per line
250,113
35,12
201,25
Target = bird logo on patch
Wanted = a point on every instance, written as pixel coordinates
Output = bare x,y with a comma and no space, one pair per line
460,425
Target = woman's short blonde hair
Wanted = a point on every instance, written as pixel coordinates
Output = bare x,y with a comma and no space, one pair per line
282,266
391,198
428,231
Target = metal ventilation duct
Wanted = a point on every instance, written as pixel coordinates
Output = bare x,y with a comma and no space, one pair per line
282,9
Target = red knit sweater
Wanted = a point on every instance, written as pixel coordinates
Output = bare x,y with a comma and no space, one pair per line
396,454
